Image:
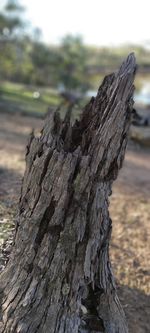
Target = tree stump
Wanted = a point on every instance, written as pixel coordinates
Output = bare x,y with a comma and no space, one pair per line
59,277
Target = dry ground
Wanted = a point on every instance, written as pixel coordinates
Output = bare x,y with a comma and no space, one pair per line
129,208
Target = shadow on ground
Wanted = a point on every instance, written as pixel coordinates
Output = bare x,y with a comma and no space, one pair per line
136,305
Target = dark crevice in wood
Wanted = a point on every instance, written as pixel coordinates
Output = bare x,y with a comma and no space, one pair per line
43,228
89,315
31,137
44,171
57,124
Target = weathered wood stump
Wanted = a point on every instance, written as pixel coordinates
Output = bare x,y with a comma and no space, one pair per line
59,276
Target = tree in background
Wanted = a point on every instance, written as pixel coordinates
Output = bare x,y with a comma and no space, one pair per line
45,61
25,58
10,20
73,64
11,29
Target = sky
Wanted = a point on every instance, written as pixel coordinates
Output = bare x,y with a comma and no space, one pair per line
99,22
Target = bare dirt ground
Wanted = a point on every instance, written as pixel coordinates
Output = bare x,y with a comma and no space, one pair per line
129,209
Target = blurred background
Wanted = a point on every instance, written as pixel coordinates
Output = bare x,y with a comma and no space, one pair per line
56,53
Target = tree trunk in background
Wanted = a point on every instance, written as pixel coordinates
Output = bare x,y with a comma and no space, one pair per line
59,277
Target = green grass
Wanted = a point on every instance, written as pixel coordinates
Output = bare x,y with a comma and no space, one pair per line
19,98
16,97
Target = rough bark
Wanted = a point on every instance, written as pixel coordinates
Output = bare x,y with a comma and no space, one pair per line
59,276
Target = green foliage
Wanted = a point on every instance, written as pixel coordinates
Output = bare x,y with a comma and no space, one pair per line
44,60
13,6
11,25
73,64
10,20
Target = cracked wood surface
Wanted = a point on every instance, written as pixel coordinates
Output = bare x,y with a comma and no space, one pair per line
59,276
